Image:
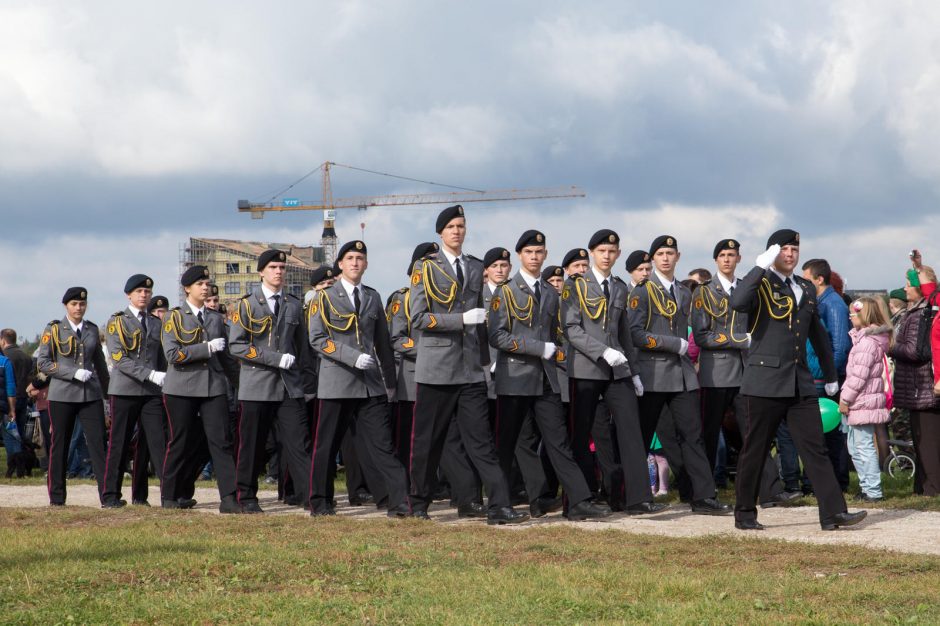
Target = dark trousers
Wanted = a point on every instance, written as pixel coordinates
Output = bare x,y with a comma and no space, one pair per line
620,398
367,419
802,416
62,417
686,415
255,421
546,411
404,413
436,408
140,471
193,422
127,413
925,431
607,456
794,477
456,467
670,440
715,402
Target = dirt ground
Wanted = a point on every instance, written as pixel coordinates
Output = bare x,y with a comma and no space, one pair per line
897,530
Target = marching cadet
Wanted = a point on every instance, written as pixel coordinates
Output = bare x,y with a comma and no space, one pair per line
133,342
447,307
777,384
639,267
496,269
574,262
554,276
356,380
269,339
212,302
659,314
159,305
70,354
194,395
523,325
721,334
593,314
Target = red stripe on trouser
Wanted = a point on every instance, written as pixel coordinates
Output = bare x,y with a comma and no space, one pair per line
169,442
51,453
313,456
238,451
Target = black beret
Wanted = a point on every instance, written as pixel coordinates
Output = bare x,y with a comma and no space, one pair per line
136,281
530,238
726,244
158,302
355,246
74,293
320,274
445,216
605,235
213,289
196,272
784,237
493,255
552,271
636,259
664,241
271,255
421,251
577,254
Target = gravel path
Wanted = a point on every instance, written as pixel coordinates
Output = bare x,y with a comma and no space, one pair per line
899,530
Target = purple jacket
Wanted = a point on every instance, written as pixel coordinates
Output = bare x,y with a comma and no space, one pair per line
913,379
864,388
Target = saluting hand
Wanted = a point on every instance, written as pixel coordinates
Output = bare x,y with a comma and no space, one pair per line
767,258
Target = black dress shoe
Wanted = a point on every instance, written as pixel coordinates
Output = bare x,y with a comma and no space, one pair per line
843,519
421,514
322,512
748,524
114,504
57,504
518,499
140,503
588,510
505,515
399,511
645,508
781,498
543,506
252,507
186,503
711,506
474,509
170,504
361,498
229,506
293,500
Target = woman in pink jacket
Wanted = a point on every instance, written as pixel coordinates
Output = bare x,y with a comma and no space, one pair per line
863,398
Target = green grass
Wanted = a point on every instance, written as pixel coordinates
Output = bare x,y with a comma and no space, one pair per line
155,566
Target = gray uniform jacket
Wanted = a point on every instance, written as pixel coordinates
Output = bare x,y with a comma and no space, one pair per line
340,337
776,361
488,374
657,336
135,355
721,334
403,342
258,340
191,370
62,353
449,353
581,300
520,328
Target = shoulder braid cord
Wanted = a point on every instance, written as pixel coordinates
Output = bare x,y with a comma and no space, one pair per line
664,306
183,336
598,304
778,308
57,345
121,332
516,312
430,287
710,303
350,319
256,325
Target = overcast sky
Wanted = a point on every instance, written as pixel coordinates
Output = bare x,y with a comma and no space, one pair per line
127,127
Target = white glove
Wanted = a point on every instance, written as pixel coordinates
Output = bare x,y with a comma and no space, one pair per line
548,352
767,258
474,317
683,347
749,340
638,385
364,362
614,357
82,376
493,368
216,345
156,377
832,389
287,361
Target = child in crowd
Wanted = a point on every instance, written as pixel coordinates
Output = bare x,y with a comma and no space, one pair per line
863,398
659,469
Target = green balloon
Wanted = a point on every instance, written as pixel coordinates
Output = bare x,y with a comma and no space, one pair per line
829,411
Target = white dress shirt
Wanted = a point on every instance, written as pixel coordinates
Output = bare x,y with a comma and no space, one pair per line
726,284
797,290
269,296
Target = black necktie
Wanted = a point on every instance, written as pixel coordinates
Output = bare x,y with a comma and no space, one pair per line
277,303
143,321
731,290
459,273
199,317
538,292
78,331
606,286
672,291
356,299
789,284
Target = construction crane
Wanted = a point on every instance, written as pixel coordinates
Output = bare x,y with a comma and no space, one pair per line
328,204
